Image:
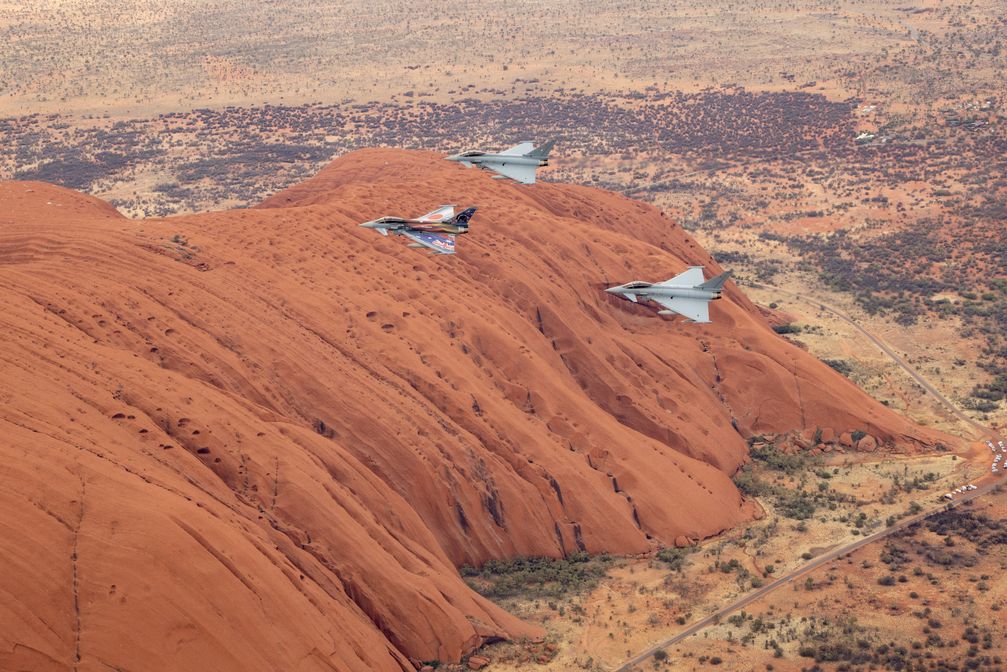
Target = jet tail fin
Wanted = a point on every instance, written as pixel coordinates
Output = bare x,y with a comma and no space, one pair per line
716,284
463,217
542,151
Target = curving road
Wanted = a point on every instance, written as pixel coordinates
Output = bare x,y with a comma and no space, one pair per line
798,573
884,347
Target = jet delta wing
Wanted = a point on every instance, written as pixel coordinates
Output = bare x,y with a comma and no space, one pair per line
519,150
518,173
440,243
442,213
697,310
689,278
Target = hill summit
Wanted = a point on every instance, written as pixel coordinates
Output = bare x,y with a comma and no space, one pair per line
264,439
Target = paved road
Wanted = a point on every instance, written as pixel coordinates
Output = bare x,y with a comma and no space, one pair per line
979,428
798,573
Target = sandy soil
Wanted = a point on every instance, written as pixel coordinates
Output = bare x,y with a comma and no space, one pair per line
642,601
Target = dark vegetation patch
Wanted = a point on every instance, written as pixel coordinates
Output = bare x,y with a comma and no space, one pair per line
792,500
981,530
845,368
537,577
675,558
245,154
931,269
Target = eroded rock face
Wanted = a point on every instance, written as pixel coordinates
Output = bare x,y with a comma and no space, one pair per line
267,443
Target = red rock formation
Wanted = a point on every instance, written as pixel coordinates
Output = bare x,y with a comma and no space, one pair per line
267,444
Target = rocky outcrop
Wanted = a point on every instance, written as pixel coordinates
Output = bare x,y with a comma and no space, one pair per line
264,439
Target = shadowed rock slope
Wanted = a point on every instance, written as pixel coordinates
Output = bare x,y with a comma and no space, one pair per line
263,439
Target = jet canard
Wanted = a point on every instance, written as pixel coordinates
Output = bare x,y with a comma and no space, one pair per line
435,230
518,163
685,294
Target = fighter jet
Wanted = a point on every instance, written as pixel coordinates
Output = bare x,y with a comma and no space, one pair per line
518,163
686,294
435,230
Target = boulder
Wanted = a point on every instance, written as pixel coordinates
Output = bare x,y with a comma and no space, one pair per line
478,662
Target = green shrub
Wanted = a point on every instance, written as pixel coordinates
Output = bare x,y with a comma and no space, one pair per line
751,485
675,557
840,365
538,577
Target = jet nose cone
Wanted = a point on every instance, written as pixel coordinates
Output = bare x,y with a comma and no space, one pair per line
370,225
453,157
613,290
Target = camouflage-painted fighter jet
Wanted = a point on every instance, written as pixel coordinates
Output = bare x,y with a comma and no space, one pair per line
518,163
685,294
435,230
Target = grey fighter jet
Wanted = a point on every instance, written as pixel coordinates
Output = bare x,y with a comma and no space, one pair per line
435,230
686,294
518,163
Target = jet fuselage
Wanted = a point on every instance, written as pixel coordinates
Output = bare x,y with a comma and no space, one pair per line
476,158
646,290
396,226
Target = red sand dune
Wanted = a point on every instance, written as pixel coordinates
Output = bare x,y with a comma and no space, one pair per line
269,448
